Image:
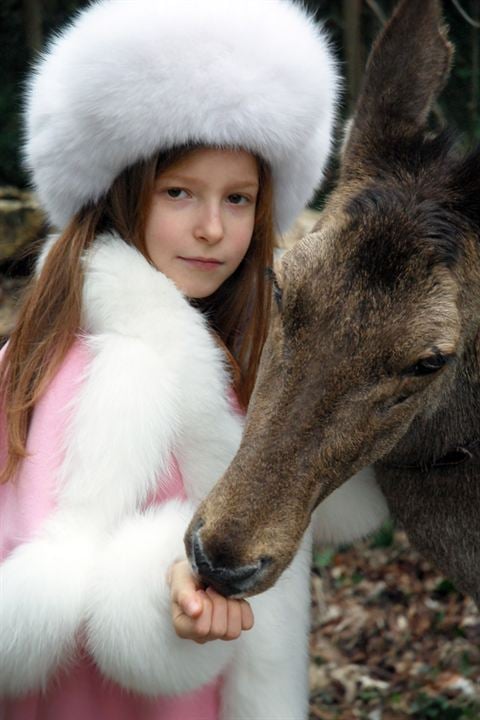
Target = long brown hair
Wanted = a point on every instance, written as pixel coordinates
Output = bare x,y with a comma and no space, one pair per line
50,315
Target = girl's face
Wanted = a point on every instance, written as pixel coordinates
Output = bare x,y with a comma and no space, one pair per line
201,218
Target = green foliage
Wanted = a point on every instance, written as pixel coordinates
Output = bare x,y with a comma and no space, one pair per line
10,170
17,60
444,588
384,537
440,708
323,558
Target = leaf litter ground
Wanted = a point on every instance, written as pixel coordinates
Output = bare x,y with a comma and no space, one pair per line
391,639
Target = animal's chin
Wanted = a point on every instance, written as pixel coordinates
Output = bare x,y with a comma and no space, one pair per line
262,580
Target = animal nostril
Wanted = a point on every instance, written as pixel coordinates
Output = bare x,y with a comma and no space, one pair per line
248,571
200,558
264,560
199,524
244,573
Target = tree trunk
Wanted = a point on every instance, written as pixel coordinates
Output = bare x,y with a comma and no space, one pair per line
32,18
475,81
352,10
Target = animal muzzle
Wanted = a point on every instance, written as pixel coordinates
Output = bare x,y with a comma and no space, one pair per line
218,571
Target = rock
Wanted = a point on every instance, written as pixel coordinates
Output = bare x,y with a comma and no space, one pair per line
21,221
10,292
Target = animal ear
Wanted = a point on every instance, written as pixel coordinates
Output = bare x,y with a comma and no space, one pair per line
407,68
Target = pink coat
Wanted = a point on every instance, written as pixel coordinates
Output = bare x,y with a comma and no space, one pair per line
82,692
133,432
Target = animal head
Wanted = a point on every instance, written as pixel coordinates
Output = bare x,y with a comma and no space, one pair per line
374,311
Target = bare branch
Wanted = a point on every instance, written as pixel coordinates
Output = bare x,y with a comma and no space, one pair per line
353,47
470,20
377,11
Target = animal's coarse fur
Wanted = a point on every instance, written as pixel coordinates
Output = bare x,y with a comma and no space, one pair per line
373,355
130,78
155,385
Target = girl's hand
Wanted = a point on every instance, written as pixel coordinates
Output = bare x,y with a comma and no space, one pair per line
203,615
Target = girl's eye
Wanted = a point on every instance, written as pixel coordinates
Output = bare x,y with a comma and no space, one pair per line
176,193
237,199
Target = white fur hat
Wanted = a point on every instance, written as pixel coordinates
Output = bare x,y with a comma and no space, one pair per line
131,77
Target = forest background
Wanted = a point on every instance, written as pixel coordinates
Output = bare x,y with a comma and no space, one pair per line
26,25
391,639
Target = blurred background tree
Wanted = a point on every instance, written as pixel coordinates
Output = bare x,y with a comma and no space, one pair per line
26,25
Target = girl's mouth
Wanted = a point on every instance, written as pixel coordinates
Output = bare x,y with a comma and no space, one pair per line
202,263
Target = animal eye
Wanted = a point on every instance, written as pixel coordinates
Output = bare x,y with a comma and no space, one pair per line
427,365
277,290
277,294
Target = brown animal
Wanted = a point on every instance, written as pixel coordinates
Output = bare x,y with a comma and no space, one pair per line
373,355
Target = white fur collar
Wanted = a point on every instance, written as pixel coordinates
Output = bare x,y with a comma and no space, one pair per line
124,293
157,386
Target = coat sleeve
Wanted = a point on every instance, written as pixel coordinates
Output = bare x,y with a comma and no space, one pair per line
129,630
43,585
268,679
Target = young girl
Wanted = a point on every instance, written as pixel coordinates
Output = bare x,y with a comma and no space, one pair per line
167,142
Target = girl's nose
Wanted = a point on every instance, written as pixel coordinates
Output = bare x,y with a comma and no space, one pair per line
209,226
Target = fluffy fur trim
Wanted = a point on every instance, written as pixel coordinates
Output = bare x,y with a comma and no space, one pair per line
43,586
129,78
149,341
353,511
129,631
269,679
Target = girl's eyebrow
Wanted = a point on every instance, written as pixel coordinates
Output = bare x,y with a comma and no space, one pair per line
246,184
241,185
